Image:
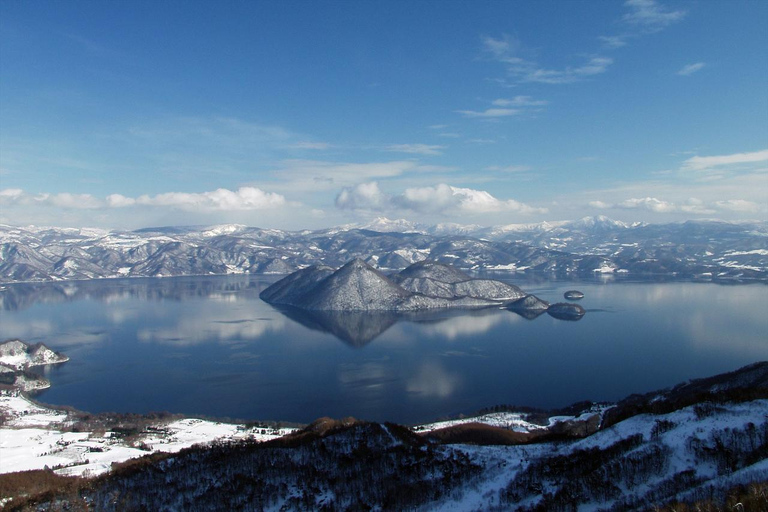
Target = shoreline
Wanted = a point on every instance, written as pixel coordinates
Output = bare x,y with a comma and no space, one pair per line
557,276
34,436
76,443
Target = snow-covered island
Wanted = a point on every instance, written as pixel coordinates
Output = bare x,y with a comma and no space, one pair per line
16,357
361,289
357,286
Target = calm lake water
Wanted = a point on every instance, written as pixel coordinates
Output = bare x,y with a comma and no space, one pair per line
210,346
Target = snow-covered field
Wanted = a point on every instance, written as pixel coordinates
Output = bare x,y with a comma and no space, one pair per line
514,421
33,437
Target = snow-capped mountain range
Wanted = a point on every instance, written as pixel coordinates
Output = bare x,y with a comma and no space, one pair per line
708,249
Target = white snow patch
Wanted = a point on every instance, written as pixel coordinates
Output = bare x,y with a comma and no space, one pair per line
31,438
509,266
759,252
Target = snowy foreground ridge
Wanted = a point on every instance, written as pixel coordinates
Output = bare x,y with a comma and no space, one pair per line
686,443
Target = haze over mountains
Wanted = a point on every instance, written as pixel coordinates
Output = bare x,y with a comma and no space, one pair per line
705,249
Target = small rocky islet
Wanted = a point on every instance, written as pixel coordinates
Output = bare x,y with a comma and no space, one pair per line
573,295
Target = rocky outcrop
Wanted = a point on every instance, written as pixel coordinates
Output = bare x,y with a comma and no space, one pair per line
19,355
528,303
529,307
566,311
573,295
16,357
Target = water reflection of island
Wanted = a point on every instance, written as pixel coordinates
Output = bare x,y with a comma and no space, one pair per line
20,296
356,328
357,302
359,328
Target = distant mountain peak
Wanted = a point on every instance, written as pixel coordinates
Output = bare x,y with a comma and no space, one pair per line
385,225
598,222
356,264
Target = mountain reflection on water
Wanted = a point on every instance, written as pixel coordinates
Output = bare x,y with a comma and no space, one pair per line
358,328
20,296
355,328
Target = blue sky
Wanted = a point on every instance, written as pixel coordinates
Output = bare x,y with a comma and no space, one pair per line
312,114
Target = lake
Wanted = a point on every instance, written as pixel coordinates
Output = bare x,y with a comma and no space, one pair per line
209,346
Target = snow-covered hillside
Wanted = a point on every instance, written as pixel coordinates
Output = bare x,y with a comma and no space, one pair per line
357,286
694,441
19,355
707,249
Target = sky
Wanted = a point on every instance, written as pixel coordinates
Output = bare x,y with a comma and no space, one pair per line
298,114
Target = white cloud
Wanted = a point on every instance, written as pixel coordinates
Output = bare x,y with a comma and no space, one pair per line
647,203
76,201
9,195
15,196
119,201
502,107
519,101
651,15
691,68
244,198
438,199
416,149
490,113
675,196
365,196
505,50
613,41
309,145
699,163
739,205
595,66
690,206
